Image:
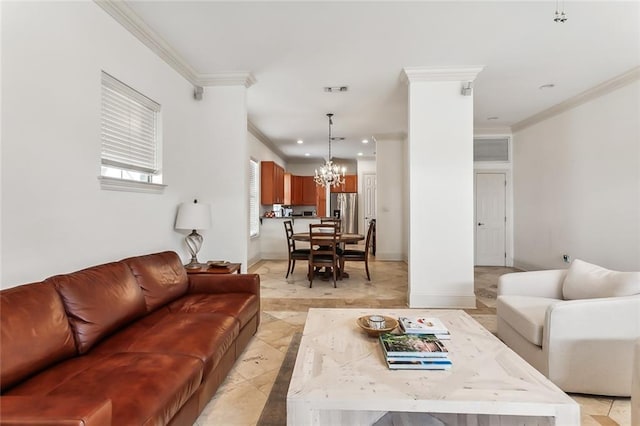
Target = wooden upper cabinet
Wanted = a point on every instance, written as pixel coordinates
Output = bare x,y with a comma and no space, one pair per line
321,201
293,186
350,184
288,196
308,191
271,183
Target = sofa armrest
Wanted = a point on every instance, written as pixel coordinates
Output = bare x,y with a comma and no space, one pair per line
533,283
589,344
607,318
224,283
55,410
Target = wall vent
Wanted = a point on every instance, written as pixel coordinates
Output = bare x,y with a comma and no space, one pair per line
491,149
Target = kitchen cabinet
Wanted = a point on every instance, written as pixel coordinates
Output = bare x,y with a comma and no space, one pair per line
271,183
321,201
308,191
350,184
299,190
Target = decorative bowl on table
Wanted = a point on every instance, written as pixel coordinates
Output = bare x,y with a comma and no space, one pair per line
373,327
217,263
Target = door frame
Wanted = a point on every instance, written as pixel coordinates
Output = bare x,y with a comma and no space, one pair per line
508,240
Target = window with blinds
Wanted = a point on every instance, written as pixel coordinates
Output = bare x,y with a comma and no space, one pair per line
129,132
254,206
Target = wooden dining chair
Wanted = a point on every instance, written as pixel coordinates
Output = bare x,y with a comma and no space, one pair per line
333,220
294,253
323,254
359,255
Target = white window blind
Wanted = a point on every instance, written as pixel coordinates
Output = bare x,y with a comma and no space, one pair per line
129,128
254,213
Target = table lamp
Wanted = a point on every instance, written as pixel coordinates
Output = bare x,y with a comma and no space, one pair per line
193,216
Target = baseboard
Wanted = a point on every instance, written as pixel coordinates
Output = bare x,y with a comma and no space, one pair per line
525,266
395,257
251,262
274,256
423,300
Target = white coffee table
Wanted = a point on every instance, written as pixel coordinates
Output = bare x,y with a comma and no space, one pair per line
340,378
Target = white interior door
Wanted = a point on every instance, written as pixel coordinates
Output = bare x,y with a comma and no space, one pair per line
369,194
490,195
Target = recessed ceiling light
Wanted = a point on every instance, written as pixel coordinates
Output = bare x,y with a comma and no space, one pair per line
492,118
360,154
547,86
365,140
300,141
306,154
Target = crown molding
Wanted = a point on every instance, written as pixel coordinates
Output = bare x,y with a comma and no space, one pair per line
419,74
586,96
399,136
124,15
245,79
251,128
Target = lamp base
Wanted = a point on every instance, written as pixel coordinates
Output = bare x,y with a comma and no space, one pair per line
194,265
194,242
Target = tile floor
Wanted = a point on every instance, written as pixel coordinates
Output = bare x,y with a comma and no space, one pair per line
240,399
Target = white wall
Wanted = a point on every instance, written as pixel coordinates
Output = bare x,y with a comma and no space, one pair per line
577,185
259,152
390,166
219,168
55,217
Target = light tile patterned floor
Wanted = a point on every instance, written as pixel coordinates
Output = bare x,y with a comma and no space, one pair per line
240,399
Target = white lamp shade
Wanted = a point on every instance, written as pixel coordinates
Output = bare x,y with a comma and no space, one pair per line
193,216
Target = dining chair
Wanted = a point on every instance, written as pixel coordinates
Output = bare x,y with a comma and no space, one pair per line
333,220
359,255
323,238
294,253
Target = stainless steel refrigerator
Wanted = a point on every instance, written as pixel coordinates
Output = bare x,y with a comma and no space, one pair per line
345,206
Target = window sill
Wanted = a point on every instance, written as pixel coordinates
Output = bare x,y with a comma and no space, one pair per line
113,184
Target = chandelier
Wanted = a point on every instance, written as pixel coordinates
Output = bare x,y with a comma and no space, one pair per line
330,174
560,17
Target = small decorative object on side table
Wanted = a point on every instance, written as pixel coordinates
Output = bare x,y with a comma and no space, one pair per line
216,267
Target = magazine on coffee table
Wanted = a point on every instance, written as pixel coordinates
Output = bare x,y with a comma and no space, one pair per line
412,345
420,364
424,325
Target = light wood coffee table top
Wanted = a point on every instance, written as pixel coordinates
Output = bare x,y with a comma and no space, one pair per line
340,376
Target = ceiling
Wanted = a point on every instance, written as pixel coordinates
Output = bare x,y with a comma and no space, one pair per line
296,48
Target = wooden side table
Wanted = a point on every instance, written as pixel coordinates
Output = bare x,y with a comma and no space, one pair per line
229,268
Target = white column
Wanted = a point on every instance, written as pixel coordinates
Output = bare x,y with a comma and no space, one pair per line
222,164
440,160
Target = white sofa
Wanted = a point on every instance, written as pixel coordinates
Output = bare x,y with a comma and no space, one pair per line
577,326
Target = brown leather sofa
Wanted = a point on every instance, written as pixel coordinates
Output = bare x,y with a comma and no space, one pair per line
134,342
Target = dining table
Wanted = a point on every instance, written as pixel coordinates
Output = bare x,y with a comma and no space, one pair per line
342,237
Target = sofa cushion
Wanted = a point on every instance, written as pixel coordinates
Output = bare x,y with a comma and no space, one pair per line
161,277
35,331
206,337
525,314
99,300
242,306
588,281
145,388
